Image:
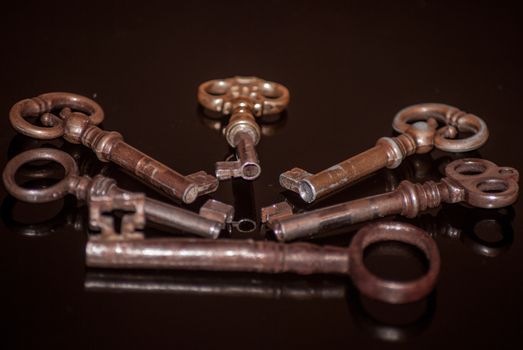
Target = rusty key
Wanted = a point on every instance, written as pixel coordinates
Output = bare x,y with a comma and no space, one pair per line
477,182
420,133
274,257
244,99
76,119
100,193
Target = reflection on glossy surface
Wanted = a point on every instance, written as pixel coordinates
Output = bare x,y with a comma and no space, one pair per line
245,223
85,159
271,287
220,284
469,225
414,318
424,167
68,215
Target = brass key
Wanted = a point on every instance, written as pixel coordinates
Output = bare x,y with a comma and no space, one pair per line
76,122
419,130
102,194
477,182
244,99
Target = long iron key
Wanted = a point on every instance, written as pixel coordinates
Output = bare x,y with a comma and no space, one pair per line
244,99
419,130
102,194
274,257
478,182
76,121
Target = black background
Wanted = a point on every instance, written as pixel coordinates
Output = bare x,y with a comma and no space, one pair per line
349,67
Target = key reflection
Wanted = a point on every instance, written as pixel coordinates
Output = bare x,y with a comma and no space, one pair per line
245,224
403,321
57,216
374,319
86,160
487,232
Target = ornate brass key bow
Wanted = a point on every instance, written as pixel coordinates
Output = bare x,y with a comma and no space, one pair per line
244,99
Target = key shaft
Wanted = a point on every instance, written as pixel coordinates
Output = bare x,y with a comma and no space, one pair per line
110,147
388,152
221,255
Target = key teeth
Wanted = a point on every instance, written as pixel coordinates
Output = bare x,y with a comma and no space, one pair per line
206,183
217,211
100,218
291,179
275,211
228,169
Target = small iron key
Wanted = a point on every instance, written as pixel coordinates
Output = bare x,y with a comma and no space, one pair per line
243,98
100,193
419,130
478,182
274,257
76,122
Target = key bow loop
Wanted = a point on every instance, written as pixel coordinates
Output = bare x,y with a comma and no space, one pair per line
421,123
53,109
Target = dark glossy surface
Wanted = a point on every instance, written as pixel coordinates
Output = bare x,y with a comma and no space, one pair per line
349,69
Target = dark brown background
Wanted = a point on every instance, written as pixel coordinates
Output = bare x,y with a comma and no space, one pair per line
349,68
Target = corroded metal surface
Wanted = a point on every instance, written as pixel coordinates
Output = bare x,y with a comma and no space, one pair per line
244,99
419,130
273,257
85,188
76,121
101,208
477,182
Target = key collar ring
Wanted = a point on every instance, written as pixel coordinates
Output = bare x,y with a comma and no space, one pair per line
421,122
44,106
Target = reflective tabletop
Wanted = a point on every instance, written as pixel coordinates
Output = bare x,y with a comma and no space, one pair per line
349,68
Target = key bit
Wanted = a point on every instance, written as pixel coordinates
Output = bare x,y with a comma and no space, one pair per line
419,130
276,211
77,121
477,182
217,211
244,99
101,208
